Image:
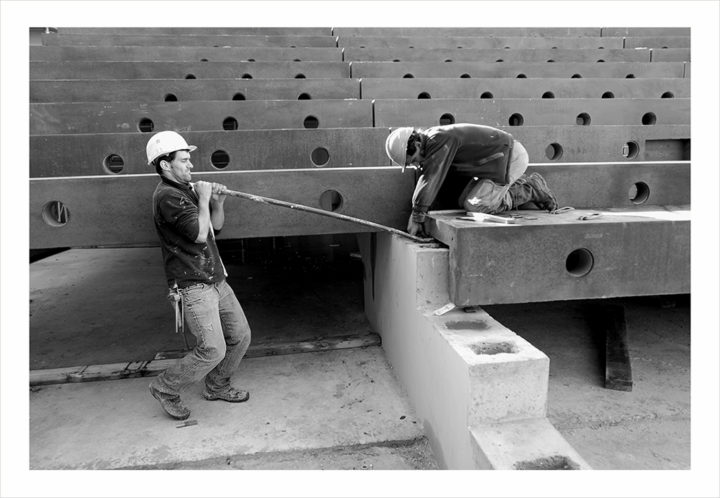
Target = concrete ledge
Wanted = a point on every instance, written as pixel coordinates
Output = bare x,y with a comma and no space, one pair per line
523,445
459,369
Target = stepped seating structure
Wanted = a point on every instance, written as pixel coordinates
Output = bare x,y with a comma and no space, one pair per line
301,114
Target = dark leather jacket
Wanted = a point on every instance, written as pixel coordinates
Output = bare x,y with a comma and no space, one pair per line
460,149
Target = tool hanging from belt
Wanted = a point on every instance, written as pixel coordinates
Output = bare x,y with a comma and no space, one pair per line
176,300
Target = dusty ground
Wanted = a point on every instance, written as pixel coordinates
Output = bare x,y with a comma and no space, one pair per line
107,305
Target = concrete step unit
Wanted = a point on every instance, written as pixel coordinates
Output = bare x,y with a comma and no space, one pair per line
462,371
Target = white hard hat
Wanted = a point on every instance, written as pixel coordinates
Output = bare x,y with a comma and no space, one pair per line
166,142
396,145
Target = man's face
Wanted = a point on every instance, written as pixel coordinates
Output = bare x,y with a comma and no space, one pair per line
180,167
416,158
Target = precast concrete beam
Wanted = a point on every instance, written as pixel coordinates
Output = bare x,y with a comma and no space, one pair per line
497,55
618,185
182,90
103,70
123,117
176,40
531,112
504,88
554,257
197,54
467,31
124,153
245,30
669,54
105,210
466,69
469,42
646,31
657,42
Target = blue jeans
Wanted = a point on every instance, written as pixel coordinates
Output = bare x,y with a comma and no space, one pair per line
222,333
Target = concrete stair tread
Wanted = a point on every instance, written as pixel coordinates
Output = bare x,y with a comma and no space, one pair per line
298,402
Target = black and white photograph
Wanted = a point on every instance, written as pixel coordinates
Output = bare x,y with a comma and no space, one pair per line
299,242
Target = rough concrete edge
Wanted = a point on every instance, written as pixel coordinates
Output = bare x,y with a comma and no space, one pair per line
544,444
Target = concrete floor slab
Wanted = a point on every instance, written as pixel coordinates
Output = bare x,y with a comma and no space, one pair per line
298,402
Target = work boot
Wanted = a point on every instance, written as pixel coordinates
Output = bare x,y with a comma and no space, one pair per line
532,188
543,196
172,405
228,394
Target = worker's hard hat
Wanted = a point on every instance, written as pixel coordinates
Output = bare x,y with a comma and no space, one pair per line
166,142
396,145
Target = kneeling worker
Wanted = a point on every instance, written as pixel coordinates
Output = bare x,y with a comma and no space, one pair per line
186,218
490,160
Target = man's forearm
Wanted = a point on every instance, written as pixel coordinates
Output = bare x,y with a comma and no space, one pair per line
203,222
217,214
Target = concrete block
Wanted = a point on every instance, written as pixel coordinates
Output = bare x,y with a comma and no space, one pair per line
646,31
498,55
462,69
473,42
88,213
175,40
531,112
467,31
663,41
101,117
562,257
101,70
183,90
215,31
124,153
506,88
532,444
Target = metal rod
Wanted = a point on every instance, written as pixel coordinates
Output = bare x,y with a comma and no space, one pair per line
322,212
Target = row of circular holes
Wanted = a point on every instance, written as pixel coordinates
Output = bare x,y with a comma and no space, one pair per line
56,214
320,157
171,97
146,125
248,76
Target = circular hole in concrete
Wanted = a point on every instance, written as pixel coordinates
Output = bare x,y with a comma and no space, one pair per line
516,119
203,60
408,75
251,60
448,60
331,200
220,159
649,118
486,95
506,47
55,214
311,122
554,151
238,96
424,95
304,96
579,262
667,95
500,60
600,60
320,156
299,76
630,76
297,60
491,348
190,77
608,95
396,60
230,123
583,119
465,75
576,75
247,76
550,60
170,97
447,119
113,163
639,193
553,48
548,95
630,150
521,75
146,125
